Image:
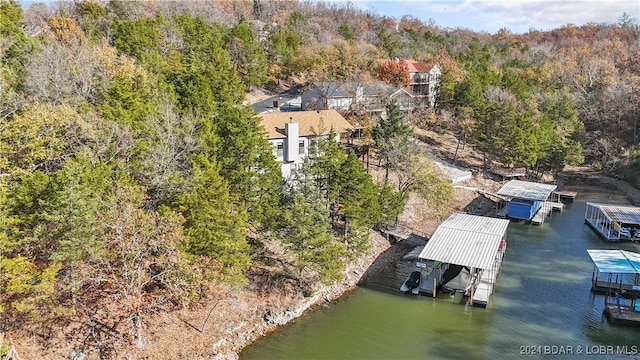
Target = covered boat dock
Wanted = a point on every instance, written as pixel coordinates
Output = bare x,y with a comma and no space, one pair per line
614,222
621,284
475,242
528,201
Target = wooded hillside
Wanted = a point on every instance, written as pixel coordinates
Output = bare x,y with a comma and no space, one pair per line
133,179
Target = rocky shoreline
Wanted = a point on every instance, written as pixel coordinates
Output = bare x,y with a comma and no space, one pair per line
228,349
235,318
382,252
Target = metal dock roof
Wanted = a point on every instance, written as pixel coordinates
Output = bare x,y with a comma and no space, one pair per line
526,190
620,214
466,240
616,261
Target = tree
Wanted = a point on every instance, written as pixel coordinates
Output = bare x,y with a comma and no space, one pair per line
391,204
216,223
139,39
284,43
391,128
307,230
247,163
247,54
15,45
174,140
340,61
395,72
143,269
42,137
358,195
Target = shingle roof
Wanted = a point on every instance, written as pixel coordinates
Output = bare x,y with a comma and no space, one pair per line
309,122
416,66
348,90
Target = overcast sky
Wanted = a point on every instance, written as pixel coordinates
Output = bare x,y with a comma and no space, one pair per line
519,16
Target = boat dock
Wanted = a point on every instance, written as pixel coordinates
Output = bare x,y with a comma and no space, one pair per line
474,242
431,281
622,288
622,314
528,201
545,210
614,222
611,287
483,290
565,195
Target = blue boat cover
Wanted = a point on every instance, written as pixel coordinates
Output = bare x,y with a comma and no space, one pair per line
616,261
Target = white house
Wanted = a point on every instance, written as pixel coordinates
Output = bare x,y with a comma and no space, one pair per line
425,79
292,133
372,97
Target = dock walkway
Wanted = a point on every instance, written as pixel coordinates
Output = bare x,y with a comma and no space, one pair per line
623,315
483,291
566,195
396,232
545,210
625,290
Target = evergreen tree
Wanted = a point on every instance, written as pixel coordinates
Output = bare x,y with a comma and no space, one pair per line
391,204
391,128
16,45
216,223
247,54
247,163
283,44
358,193
307,229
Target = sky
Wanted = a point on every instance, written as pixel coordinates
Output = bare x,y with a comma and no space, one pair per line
519,16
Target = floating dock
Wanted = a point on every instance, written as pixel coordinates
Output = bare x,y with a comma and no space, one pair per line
614,222
622,314
620,269
565,195
475,242
528,201
484,288
545,211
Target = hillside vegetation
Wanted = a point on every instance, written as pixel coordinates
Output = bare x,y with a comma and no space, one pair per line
134,182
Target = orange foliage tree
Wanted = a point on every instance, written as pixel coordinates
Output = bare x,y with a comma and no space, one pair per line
394,72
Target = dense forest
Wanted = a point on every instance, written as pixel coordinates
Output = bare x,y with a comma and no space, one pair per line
134,177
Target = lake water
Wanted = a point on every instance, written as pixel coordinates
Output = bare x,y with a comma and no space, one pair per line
542,307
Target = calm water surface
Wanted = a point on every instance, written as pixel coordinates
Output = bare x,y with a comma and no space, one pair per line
542,307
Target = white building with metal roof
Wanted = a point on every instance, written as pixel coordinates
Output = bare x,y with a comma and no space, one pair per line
475,242
614,222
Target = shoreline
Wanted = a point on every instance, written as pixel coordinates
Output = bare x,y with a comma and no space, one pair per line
565,179
235,318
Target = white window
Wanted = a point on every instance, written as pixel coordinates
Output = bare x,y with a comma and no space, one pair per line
301,147
280,147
